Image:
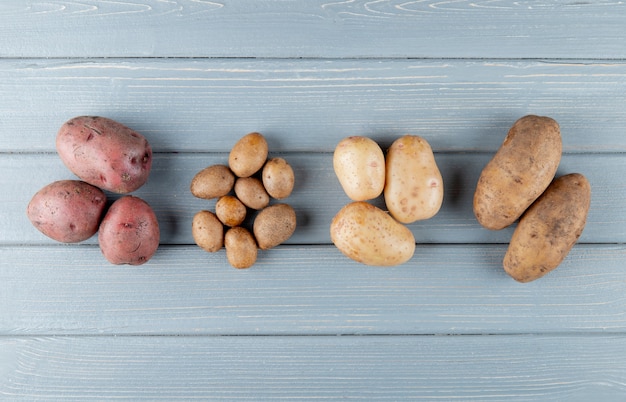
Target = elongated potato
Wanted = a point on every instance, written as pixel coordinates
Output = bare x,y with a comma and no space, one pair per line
212,182
413,185
370,236
549,229
241,248
248,155
519,172
359,164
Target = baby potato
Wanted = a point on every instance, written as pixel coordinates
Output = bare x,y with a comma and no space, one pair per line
359,164
370,236
251,192
129,232
274,225
519,172
230,211
549,229
212,182
207,231
105,153
248,155
241,249
68,211
278,178
413,186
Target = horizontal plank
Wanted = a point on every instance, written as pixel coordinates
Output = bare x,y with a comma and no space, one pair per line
200,105
486,368
306,290
319,28
317,196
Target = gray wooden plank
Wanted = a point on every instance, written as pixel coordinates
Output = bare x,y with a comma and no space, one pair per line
306,290
319,28
199,105
486,368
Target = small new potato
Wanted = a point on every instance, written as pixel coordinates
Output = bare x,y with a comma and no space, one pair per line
129,232
248,155
212,182
230,211
370,236
519,172
241,248
549,229
105,153
207,231
68,211
278,178
359,164
251,192
274,225
413,186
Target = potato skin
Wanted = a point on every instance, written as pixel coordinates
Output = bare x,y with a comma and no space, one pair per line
413,185
105,153
519,172
241,249
359,164
274,225
549,229
207,231
129,232
248,155
230,211
278,178
212,182
68,211
251,192
370,236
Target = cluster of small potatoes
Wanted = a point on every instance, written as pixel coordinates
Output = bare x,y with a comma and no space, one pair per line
518,183
409,179
105,155
248,183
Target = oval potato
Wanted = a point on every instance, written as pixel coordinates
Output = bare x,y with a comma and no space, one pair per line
230,211
549,229
519,172
207,231
370,236
251,192
241,248
359,164
414,186
274,225
248,155
212,182
278,178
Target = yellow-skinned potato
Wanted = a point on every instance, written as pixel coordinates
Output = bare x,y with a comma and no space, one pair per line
248,155
241,248
359,164
519,172
414,186
370,236
549,229
207,231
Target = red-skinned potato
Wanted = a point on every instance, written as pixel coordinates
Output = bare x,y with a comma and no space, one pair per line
129,232
105,153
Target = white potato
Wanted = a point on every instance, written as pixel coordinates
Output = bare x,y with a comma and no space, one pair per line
359,164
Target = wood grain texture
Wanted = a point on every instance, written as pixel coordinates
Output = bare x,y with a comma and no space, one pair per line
317,28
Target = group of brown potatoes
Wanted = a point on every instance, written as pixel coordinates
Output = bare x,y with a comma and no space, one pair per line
248,183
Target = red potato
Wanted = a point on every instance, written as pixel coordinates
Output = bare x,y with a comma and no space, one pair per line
105,153
68,211
129,232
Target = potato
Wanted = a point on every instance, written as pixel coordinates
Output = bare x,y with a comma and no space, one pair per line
549,229
68,211
519,172
241,249
370,236
230,211
129,232
359,164
278,178
413,185
105,153
251,192
248,155
274,225
212,182
207,231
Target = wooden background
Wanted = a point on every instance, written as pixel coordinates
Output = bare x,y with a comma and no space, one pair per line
305,322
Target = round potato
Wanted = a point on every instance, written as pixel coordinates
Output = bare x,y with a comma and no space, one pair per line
519,172
212,182
549,229
413,185
370,236
230,211
105,153
241,249
207,231
248,155
251,192
68,211
274,225
129,232
278,178
359,164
